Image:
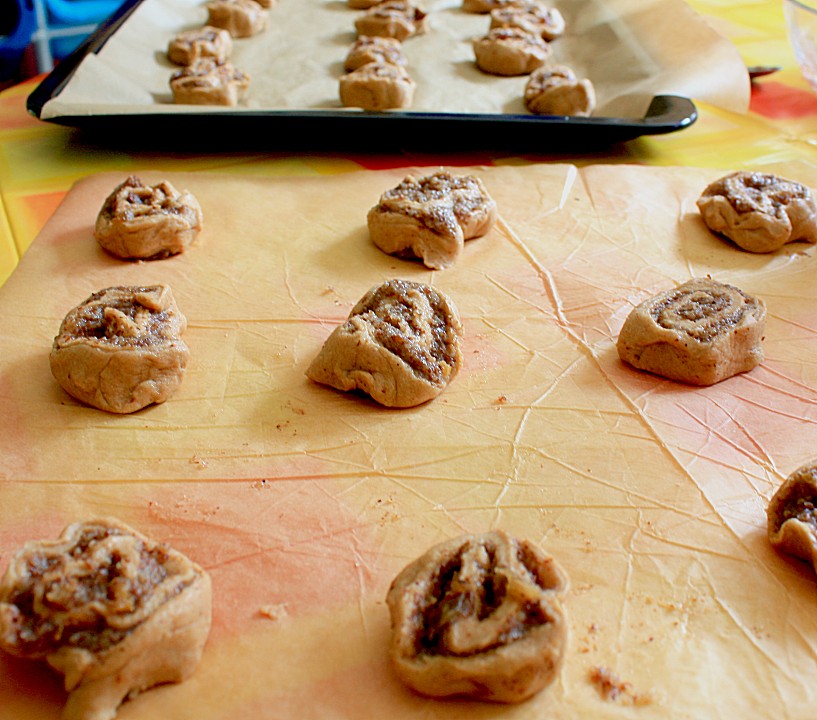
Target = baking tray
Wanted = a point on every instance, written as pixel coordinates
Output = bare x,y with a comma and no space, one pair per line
328,129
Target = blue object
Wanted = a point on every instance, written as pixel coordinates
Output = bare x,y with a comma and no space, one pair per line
13,46
54,27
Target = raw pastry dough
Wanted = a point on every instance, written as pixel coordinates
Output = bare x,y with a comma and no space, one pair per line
121,349
700,333
111,610
532,17
205,42
400,345
207,82
792,515
147,221
241,18
479,616
431,217
759,212
510,51
397,19
377,86
374,49
557,91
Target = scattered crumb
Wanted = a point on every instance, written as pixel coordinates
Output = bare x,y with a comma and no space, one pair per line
198,460
261,484
612,688
273,612
501,400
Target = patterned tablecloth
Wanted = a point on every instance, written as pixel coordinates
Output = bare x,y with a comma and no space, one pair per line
303,502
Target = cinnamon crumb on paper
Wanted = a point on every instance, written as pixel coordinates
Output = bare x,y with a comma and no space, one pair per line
273,612
611,687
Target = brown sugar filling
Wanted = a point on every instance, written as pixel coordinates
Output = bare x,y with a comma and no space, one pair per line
438,196
133,199
124,317
91,596
459,594
758,192
419,333
703,315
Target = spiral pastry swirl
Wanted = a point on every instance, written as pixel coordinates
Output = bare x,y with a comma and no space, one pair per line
792,515
700,333
479,616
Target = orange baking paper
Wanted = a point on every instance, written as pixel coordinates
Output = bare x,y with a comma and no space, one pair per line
304,502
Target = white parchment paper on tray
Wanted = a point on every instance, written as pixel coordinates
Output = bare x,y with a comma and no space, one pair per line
651,494
632,50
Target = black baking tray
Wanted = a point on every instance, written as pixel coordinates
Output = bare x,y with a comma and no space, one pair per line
327,130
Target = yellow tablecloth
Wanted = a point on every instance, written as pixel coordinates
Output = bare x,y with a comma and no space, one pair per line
650,494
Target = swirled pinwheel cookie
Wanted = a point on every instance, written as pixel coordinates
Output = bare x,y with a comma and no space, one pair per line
556,90
108,608
792,515
479,616
121,349
207,82
400,345
530,16
377,86
759,212
510,51
147,221
366,49
430,217
700,333
397,19
241,18
206,42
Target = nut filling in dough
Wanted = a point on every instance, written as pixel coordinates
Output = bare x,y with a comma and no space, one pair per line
759,212
111,610
400,345
431,217
479,616
700,333
121,349
792,515
147,221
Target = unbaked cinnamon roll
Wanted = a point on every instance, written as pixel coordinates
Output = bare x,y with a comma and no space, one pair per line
532,17
207,82
108,608
374,49
377,86
759,212
147,221
556,90
121,349
241,18
400,345
510,51
479,616
431,217
700,333
399,19
206,42
792,515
